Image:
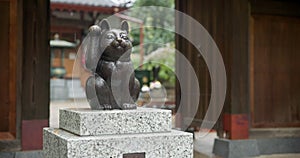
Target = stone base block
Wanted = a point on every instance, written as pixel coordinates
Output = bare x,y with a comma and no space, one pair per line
62,144
235,148
87,122
255,147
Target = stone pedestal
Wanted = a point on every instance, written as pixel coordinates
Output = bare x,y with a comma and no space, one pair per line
143,132
86,122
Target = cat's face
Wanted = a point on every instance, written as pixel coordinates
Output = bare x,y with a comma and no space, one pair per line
115,43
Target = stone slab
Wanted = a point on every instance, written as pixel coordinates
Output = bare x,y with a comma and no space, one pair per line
235,148
87,122
255,147
62,144
279,145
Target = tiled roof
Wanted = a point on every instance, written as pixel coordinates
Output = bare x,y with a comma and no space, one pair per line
102,3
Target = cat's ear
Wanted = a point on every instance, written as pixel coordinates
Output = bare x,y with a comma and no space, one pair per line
125,26
104,25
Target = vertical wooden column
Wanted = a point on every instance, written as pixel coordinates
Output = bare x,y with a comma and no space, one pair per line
236,112
11,48
227,22
5,67
35,72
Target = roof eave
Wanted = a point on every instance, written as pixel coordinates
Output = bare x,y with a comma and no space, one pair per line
86,8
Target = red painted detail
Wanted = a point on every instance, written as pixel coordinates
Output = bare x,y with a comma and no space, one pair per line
236,125
32,134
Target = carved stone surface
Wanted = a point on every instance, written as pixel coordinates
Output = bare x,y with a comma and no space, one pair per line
97,122
61,144
113,84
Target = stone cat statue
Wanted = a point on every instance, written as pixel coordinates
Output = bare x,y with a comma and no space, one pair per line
113,84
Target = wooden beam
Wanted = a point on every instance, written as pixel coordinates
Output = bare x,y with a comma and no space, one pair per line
13,54
19,53
227,23
36,60
83,24
236,46
275,7
5,74
85,8
64,29
10,139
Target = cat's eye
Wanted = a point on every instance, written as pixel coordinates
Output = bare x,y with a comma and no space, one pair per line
124,37
109,36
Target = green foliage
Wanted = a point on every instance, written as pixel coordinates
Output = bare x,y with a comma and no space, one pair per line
163,3
154,21
165,58
165,76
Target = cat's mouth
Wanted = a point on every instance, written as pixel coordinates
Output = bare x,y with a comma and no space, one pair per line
120,47
117,45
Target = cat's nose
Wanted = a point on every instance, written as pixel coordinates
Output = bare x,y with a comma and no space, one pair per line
119,40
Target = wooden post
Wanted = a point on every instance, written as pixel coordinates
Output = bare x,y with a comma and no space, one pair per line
227,23
35,72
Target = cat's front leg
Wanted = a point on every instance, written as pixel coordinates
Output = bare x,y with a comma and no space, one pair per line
134,89
98,93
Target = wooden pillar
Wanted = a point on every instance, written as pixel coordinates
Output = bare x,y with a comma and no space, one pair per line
236,112
227,23
35,72
11,48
